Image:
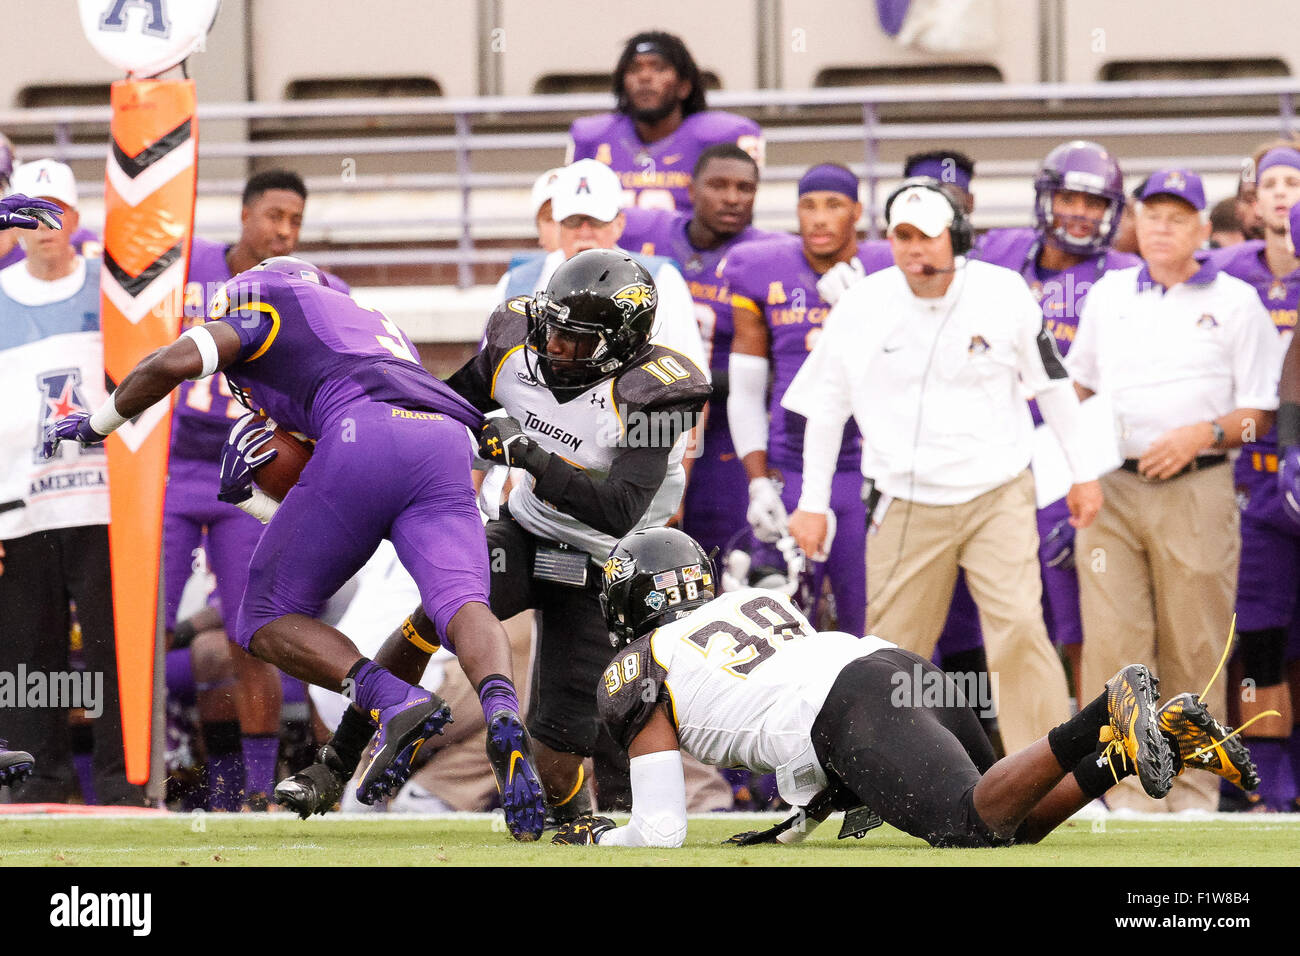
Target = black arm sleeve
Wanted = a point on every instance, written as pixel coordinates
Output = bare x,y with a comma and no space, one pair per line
504,332
614,504
630,690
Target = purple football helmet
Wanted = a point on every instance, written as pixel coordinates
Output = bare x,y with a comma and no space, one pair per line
1083,167
298,268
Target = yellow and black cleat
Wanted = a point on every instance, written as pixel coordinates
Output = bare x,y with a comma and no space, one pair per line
1206,744
1134,731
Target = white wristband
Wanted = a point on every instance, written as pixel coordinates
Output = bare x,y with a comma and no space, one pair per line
261,505
107,420
207,346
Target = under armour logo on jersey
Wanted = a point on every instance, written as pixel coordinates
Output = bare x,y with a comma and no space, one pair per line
598,400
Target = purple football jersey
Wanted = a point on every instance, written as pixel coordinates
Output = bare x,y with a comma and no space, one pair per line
308,353
205,409
772,277
1060,294
1256,468
658,175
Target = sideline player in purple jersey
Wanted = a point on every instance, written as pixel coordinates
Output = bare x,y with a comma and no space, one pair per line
1078,201
661,126
778,314
270,219
391,460
1268,579
725,182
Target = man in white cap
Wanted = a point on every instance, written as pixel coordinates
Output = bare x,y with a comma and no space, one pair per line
929,357
1187,355
55,526
586,202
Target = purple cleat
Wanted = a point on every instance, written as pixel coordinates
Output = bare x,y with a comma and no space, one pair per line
403,729
510,751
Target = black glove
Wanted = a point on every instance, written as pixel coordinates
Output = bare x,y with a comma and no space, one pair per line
584,831
502,442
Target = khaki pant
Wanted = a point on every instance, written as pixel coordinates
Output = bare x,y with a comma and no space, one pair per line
1157,581
912,566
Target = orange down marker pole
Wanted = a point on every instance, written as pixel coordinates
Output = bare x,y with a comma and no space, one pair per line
148,223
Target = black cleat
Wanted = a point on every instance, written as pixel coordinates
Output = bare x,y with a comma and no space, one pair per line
510,751
403,729
1134,731
1204,743
316,789
15,765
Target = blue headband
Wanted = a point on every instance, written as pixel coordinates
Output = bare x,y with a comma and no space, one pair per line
1282,156
829,178
944,170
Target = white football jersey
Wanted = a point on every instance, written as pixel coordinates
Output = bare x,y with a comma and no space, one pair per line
746,676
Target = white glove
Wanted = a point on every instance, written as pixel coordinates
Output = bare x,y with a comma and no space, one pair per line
838,278
260,505
766,514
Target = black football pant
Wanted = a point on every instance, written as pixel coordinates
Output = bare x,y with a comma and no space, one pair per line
914,765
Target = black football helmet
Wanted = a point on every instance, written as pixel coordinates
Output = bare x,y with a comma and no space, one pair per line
653,577
599,305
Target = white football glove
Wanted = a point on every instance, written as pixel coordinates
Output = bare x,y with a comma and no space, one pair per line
766,514
838,278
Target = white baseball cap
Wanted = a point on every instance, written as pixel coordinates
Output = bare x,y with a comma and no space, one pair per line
45,179
544,187
923,207
586,188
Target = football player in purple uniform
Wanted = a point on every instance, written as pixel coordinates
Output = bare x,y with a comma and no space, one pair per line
391,460
1078,201
952,170
661,125
778,312
725,182
1268,579
270,220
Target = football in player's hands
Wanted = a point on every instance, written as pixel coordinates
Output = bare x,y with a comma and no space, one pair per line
282,472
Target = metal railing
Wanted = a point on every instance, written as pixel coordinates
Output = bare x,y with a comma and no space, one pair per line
1251,109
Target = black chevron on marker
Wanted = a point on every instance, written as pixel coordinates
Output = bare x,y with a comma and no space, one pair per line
133,166
134,285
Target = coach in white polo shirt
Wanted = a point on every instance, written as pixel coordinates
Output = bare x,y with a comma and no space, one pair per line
1187,356
929,357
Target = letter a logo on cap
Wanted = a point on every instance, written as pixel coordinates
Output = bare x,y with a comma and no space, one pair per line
583,187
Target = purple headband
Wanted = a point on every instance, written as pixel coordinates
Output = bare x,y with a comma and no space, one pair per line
1282,156
944,170
829,178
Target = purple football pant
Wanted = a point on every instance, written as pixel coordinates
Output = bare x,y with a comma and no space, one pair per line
375,474
191,508
847,563
1268,579
718,496
961,631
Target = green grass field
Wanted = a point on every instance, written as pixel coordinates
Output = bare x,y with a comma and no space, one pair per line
234,840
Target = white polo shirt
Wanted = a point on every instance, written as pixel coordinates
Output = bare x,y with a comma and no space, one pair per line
935,386
1168,358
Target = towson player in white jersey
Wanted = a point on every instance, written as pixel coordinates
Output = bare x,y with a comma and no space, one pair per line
846,722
